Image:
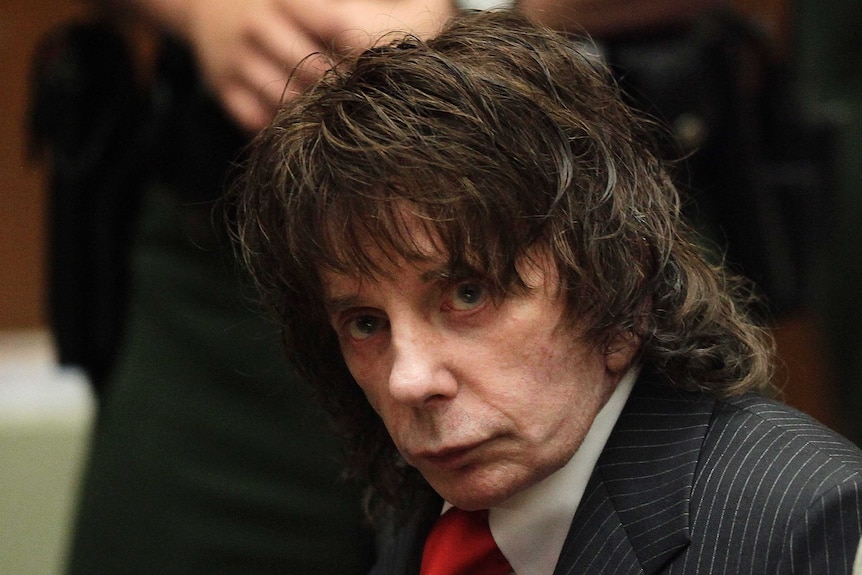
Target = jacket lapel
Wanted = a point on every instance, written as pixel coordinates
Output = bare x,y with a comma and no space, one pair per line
634,515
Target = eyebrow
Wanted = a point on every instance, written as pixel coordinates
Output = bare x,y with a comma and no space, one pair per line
337,304
448,273
444,273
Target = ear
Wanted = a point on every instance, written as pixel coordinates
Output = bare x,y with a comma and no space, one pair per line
621,351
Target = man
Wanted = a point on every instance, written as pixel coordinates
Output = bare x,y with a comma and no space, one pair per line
479,262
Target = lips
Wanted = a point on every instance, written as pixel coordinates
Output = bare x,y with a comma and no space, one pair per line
451,457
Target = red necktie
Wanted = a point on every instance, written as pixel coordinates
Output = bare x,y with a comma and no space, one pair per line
461,544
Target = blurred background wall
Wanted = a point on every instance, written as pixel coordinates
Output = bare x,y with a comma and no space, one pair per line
22,198
45,413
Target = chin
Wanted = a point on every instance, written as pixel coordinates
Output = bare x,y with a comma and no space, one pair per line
475,490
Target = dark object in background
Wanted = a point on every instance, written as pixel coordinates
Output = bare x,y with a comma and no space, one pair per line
106,137
759,174
85,118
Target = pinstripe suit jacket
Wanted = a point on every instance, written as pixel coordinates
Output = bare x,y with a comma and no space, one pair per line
688,484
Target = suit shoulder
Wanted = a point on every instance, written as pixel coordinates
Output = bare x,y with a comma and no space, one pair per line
778,487
764,454
769,427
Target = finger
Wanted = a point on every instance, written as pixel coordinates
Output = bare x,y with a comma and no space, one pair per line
288,46
271,83
249,111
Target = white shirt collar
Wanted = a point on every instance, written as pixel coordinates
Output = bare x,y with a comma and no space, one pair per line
531,527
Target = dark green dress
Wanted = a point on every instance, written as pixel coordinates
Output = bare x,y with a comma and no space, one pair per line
209,457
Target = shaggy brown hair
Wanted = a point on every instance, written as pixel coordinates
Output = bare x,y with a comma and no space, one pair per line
503,137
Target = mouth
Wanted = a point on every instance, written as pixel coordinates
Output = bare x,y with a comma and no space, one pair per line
451,457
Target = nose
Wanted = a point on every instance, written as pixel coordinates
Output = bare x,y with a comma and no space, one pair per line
420,370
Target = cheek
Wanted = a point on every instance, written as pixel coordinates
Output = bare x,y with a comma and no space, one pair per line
367,378
372,392
374,383
563,391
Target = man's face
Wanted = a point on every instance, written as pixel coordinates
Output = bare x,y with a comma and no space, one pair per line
485,396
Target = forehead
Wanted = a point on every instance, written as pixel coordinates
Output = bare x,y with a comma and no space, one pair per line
401,239
381,245
427,264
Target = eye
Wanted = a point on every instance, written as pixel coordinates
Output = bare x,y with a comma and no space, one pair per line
468,295
364,326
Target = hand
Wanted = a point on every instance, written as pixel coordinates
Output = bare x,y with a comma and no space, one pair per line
249,50
246,50
350,26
